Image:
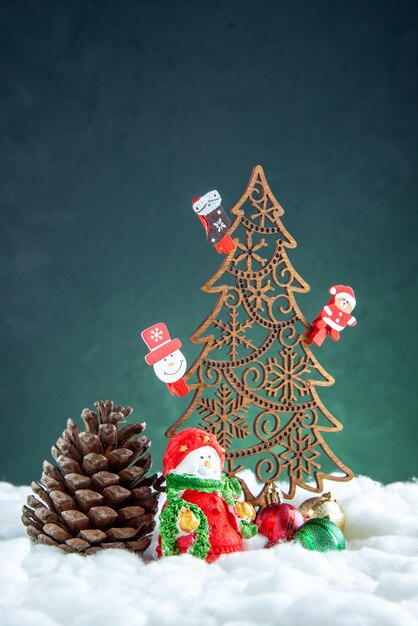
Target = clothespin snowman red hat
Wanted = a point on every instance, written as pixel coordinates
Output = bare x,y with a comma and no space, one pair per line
343,291
159,343
187,441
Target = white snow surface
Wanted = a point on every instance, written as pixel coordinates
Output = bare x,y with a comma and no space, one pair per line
373,582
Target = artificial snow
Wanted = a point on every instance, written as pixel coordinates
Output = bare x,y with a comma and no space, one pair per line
373,582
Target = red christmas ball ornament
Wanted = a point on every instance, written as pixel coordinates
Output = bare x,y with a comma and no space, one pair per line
279,522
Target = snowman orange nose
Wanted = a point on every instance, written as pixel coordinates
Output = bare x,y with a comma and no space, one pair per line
208,464
170,364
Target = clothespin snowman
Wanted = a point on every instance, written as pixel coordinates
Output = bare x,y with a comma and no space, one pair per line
165,356
215,221
334,316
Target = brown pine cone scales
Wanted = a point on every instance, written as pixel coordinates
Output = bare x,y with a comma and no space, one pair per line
97,496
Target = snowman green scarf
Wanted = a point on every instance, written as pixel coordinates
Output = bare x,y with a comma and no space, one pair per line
228,488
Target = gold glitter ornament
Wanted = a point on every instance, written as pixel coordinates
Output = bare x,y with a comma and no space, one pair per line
323,506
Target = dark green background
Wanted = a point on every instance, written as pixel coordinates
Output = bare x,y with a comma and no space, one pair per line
114,115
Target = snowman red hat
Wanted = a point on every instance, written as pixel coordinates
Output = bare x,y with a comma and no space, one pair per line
185,442
343,291
159,343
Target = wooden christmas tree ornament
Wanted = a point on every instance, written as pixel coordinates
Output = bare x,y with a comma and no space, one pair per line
97,496
255,380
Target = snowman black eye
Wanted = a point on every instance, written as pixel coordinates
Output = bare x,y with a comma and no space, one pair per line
201,457
165,360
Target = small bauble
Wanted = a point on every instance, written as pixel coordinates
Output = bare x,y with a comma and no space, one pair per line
279,522
323,506
320,534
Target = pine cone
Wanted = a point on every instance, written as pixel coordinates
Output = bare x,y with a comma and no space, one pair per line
97,496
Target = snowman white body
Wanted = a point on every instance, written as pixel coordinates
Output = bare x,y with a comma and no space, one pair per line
202,463
171,368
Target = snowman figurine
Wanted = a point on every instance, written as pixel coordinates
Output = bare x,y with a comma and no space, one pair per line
165,356
215,221
203,515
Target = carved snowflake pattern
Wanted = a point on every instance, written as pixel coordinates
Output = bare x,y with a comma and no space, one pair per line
299,454
233,334
285,377
258,293
222,416
265,209
249,251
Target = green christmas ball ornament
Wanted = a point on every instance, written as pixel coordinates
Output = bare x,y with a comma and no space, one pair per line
320,534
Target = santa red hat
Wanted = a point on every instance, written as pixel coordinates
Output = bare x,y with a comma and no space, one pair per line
343,291
185,442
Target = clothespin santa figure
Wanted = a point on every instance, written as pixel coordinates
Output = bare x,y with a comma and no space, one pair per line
165,356
215,221
203,515
334,317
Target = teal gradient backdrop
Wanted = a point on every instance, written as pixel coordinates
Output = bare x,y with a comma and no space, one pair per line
114,115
